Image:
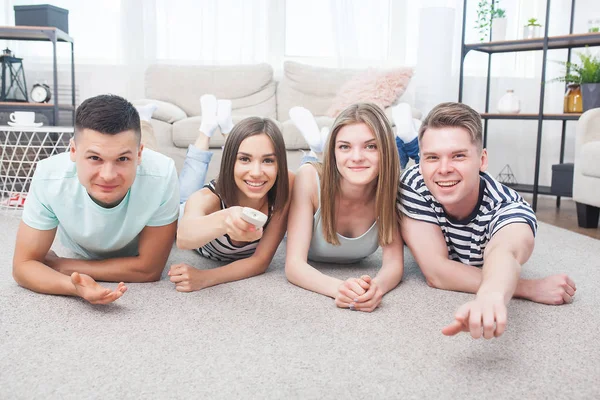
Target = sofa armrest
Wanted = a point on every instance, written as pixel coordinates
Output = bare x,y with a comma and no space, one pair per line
166,112
588,126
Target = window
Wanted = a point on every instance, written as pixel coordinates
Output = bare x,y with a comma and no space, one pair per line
351,29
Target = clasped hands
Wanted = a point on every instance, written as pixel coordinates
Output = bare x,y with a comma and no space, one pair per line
360,294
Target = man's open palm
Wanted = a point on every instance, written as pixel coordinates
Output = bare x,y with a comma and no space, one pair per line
88,289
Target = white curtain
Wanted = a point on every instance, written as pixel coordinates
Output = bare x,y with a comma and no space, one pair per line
121,32
340,33
211,31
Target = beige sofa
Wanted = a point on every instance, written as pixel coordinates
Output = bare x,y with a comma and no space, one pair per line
586,178
253,91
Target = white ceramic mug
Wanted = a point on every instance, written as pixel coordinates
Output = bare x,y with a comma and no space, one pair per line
23,117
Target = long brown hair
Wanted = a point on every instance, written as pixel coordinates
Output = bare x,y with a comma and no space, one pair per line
225,182
387,181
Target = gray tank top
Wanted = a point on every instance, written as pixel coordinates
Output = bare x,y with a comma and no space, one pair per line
349,251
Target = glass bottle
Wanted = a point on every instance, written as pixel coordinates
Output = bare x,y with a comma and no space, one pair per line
573,99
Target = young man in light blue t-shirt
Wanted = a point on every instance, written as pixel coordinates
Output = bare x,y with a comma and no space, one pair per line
112,202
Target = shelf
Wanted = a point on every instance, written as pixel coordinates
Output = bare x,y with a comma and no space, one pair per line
554,42
549,117
43,128
519,187
22,104
34,33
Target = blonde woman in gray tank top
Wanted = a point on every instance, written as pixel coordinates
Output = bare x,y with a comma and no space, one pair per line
343,209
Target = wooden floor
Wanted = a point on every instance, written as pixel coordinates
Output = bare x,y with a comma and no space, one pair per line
563,217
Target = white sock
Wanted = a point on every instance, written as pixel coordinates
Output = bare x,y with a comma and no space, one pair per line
208,103
224,116
324,135
146,111
306,124
405,125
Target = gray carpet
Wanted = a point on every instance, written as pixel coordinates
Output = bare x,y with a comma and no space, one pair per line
265,338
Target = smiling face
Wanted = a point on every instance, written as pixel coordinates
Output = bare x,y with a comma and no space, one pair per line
356,154
450,165
106,163
255,169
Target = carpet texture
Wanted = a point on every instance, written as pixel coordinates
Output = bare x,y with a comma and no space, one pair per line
265,338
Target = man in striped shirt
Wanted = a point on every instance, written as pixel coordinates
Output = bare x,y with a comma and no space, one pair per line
458,218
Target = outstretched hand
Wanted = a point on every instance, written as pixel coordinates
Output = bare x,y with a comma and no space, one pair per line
238,229
88,289
487,312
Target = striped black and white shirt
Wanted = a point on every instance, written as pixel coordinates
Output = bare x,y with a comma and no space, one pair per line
497,207
222,248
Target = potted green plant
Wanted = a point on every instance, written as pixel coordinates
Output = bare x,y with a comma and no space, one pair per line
587,75
491,19
532,29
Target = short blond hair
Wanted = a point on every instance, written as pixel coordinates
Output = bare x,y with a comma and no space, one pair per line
455,115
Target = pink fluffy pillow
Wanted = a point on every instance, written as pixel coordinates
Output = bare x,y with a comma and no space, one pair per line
374,86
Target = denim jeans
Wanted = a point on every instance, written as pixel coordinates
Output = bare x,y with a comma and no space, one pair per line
193,173
408,150
307,158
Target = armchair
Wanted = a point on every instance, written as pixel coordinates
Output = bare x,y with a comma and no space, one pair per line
586,178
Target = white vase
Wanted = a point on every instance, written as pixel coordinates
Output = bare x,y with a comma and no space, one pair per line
531,32
509,103
498,29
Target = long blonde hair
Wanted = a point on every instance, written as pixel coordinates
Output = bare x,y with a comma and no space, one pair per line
386,189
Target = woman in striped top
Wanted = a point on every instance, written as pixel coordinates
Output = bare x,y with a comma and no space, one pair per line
253,174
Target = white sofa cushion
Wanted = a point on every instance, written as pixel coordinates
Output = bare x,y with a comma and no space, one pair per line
590,156
165,112
249,87
185,132
310,87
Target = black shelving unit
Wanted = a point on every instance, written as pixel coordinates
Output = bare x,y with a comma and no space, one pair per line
44,34
543,44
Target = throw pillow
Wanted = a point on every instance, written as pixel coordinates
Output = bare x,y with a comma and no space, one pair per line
374,86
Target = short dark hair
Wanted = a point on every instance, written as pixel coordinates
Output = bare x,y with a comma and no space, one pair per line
108,114
225,183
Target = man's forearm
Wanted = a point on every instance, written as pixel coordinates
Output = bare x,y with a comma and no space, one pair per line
40,278
123,269
500,274
455,276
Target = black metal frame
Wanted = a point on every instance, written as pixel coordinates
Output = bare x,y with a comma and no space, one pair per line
543,44
53,35
14,76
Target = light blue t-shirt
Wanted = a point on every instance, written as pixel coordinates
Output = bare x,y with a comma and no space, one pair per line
57,199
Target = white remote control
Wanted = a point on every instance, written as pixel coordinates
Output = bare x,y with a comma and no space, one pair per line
254,217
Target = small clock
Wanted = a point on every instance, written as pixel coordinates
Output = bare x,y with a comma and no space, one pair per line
40,93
